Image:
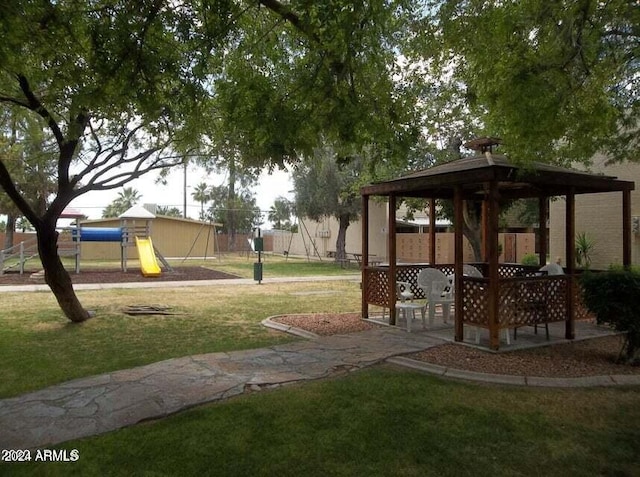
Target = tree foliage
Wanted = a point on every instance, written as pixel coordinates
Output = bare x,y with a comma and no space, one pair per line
29,152
613,297
316,69
328,187
127,198
281,212
168,211
241,208
557,80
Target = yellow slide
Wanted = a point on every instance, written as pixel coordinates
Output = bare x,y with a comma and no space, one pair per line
148,264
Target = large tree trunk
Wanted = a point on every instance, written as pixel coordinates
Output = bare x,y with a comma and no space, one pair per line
9,231
57,277
472,227
343,222
231,205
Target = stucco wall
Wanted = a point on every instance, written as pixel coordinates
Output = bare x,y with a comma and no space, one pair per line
321,236
600,217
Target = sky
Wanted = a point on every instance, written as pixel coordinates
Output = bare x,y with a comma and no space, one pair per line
270,186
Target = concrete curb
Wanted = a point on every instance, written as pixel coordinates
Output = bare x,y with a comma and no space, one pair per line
292,330
532,381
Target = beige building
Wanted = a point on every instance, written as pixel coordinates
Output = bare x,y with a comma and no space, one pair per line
600,217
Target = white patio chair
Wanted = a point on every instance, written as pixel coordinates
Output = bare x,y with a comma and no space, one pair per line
407,308
552,269
403,293
437,290
471,271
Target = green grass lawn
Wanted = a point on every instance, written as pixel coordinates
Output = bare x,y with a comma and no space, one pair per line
378,422
234,263
278,266
383,421
39,347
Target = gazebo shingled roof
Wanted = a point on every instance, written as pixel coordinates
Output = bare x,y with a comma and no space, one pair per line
491,178
514,181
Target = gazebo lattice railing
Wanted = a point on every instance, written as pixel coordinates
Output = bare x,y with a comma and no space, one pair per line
524,299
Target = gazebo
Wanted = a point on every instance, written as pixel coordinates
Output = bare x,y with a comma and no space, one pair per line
508,295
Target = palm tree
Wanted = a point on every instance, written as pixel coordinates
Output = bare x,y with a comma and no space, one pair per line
168,211
280,213
202,195
127,198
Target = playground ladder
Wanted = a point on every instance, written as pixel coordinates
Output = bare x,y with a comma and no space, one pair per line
162,259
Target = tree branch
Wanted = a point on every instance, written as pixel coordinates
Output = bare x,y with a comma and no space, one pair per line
37,107
285,12
7,184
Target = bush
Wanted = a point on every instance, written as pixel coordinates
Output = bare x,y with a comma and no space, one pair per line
614,297
530,260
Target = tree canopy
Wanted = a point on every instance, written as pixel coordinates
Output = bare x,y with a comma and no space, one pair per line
128,87
557,80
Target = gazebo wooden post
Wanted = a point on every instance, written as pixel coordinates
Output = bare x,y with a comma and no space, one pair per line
459,255
626,229
432,231
365,255
392,259
570,234
542,227
494,276
485,230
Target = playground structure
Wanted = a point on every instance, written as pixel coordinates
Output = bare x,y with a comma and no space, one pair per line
21,252
134,231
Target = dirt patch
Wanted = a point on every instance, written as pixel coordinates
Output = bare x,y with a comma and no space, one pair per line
118,276
591,357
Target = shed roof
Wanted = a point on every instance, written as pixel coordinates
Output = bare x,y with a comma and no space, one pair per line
514,181
137,212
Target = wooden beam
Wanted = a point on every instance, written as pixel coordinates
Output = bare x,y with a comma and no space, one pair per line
542,229
626,229
432,231
570,245
485,229
365,255
494,276
392,260
459,255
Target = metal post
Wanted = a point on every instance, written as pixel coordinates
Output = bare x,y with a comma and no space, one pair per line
365,255
21,258
257,267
